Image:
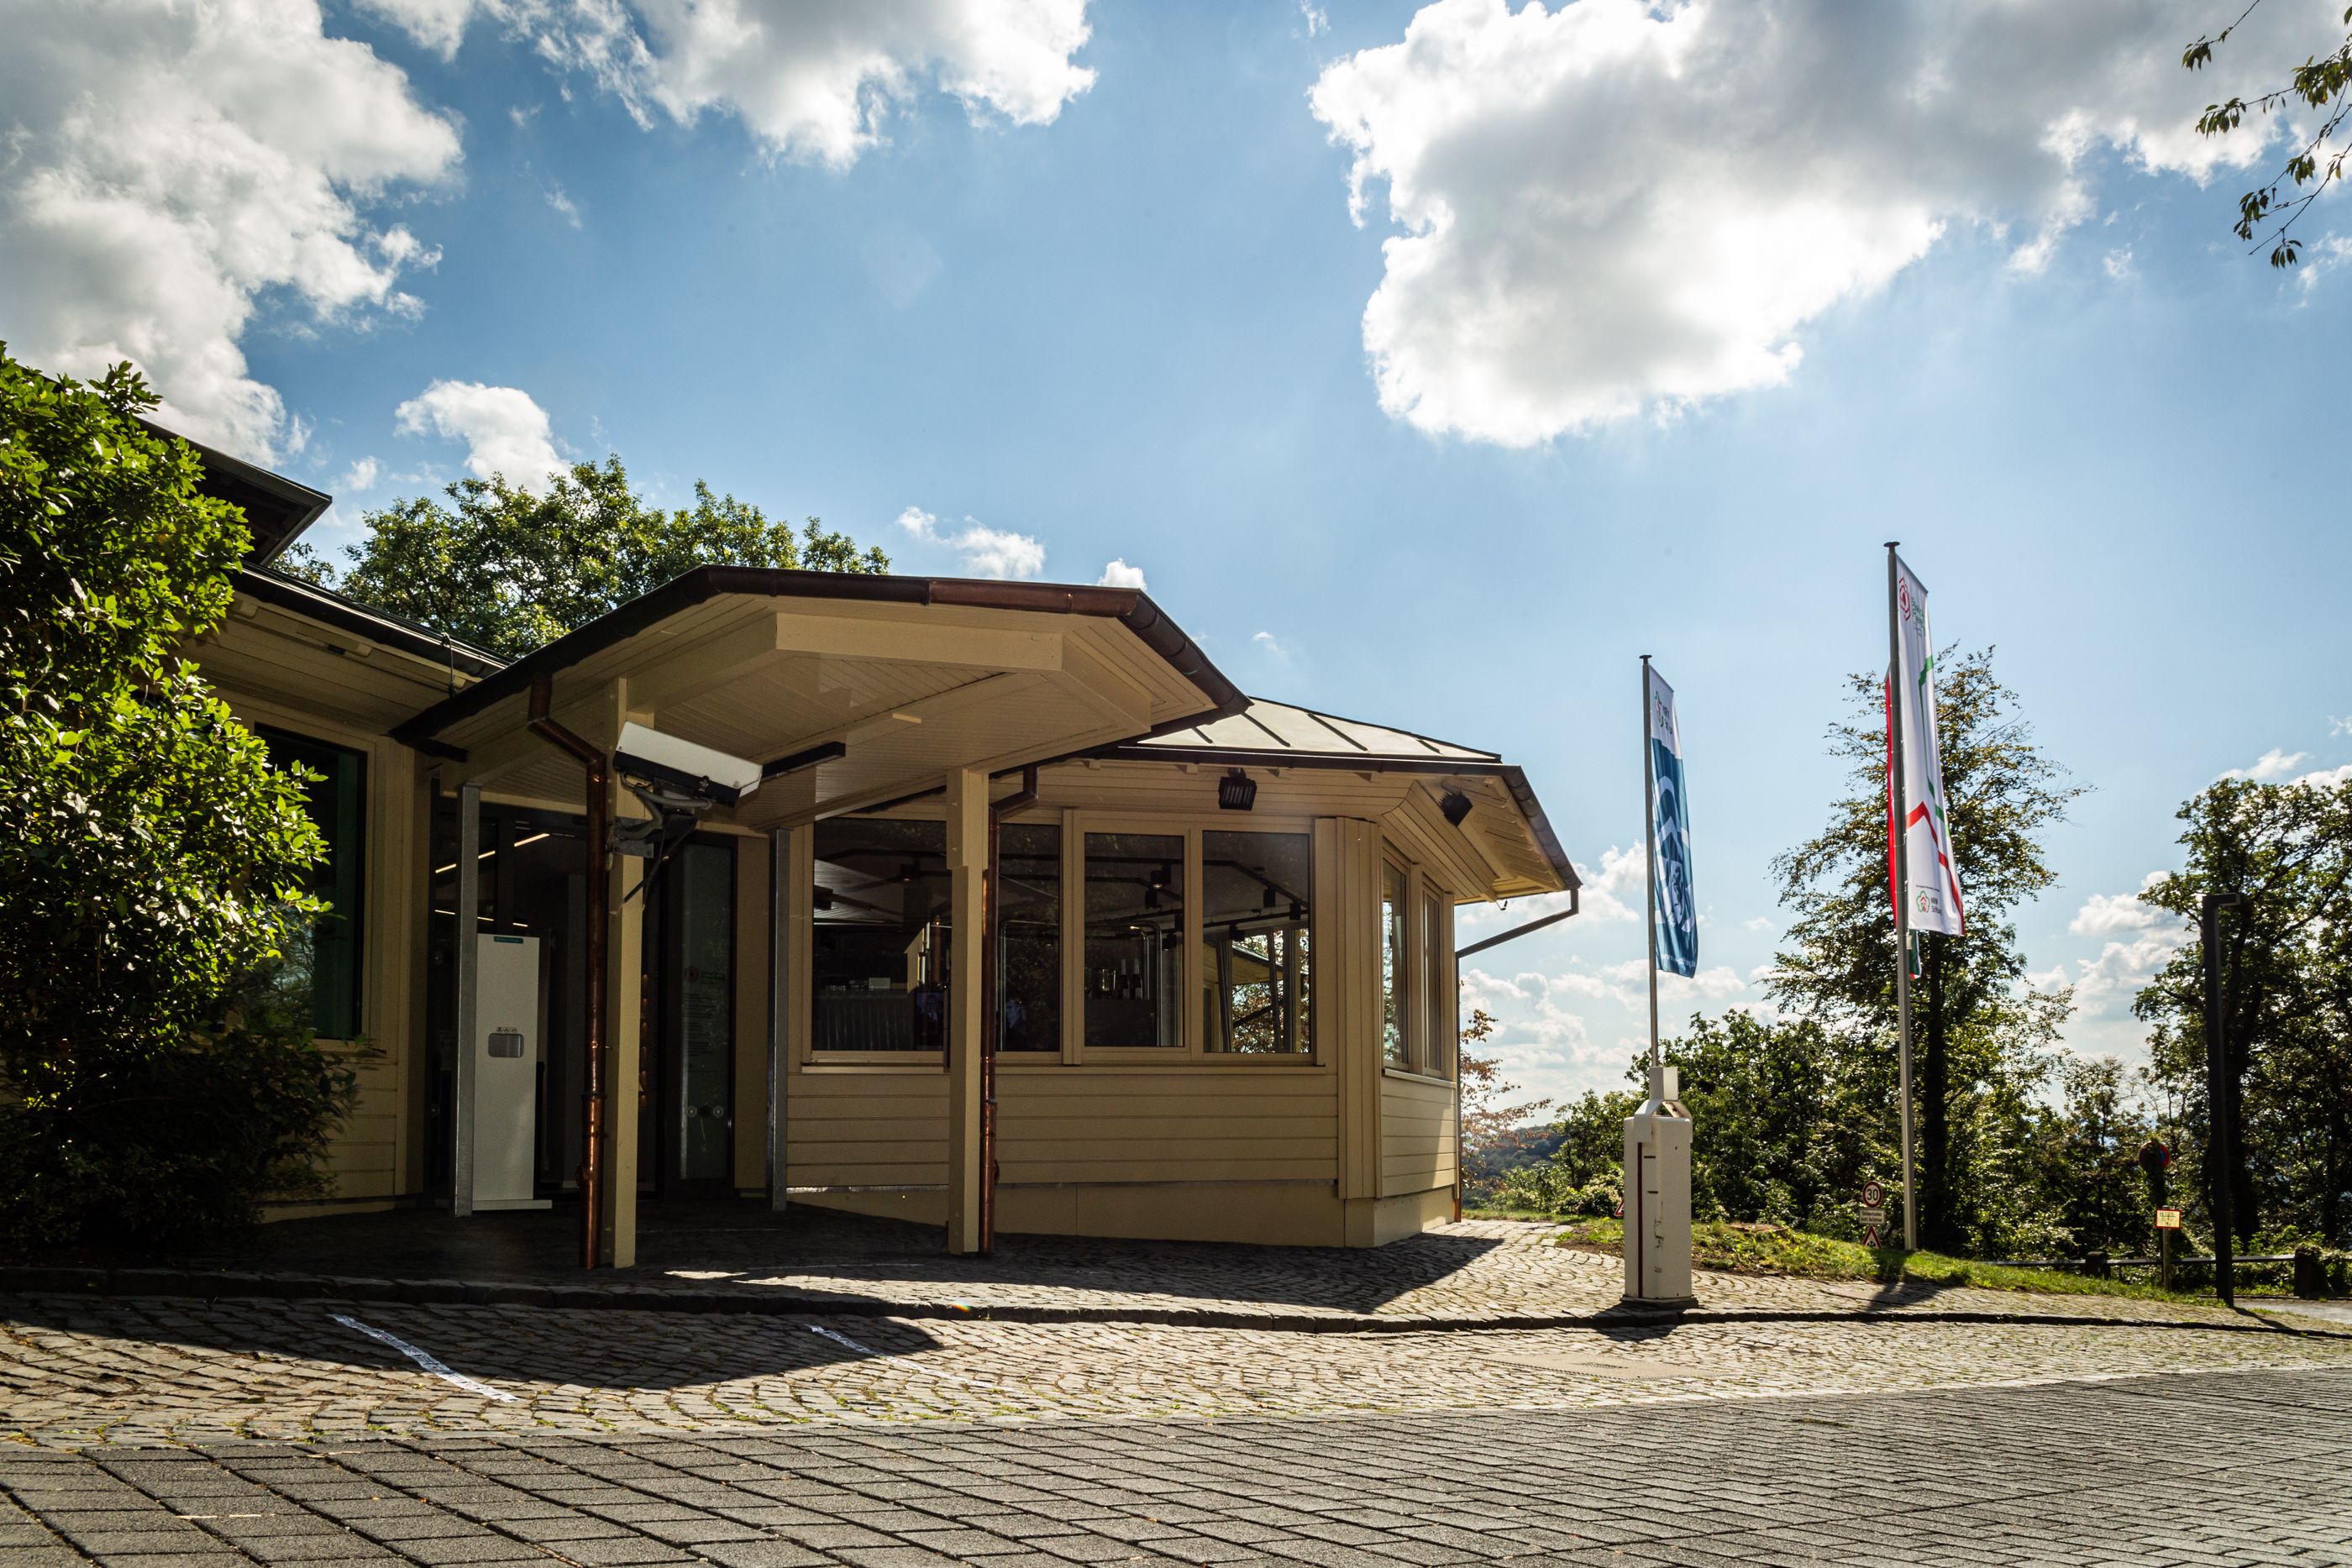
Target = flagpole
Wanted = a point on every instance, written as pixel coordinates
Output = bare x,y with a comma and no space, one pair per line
1650,861
1902,887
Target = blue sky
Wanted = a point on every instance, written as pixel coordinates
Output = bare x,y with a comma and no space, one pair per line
1674,353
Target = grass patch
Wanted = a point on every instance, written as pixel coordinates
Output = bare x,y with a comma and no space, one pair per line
1731,1248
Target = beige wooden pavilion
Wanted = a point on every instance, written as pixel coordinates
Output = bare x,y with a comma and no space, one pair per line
1223,929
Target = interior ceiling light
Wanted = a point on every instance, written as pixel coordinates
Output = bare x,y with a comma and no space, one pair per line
1236,791
1456,806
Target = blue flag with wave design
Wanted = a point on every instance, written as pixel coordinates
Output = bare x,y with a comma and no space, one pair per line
1674,915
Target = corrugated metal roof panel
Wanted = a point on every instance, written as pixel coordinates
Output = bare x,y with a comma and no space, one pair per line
1273,728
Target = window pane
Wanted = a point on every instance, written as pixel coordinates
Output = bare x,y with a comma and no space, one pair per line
703,991
1254,917
1135,938
1395,1045
1029,931
879,969
338,805
1442,1026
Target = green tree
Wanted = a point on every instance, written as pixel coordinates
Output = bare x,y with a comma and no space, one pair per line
153,861
2091,1171
1980,1035
508,569
1792,1121
2287,850
2315,151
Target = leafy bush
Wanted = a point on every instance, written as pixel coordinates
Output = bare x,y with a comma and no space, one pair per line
152,1082
173,1151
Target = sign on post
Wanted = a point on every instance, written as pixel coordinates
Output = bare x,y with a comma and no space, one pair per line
1871,1213
2168,1219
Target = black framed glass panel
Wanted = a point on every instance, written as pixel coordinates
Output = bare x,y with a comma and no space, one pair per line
337,801
1135,939
1396,1044
1029,934
884,928
1255,909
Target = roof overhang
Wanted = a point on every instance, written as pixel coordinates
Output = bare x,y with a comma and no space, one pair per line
276,508
912,677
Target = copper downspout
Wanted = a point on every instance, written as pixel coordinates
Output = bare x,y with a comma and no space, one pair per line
599,890
992,1007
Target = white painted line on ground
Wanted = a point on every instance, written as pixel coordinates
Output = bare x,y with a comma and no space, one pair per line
425,1359
868,1350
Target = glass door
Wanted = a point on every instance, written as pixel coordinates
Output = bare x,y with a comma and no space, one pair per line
696,1062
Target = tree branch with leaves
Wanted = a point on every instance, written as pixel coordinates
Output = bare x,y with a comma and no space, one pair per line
2317,157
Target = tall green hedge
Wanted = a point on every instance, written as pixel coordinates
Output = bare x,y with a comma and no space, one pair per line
156,1079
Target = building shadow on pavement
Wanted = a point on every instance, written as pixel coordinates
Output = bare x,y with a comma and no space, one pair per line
286,1346
730,1246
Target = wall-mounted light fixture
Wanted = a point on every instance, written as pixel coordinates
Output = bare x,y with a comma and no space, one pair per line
1236,791
1456,806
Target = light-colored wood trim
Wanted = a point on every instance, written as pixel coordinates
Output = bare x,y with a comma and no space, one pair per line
967,854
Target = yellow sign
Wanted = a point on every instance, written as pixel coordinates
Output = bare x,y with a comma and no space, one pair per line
2168,1219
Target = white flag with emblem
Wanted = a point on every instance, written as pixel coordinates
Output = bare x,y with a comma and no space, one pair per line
1933,897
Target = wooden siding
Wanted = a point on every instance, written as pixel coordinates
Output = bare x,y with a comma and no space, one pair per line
867,1127
1416,1134
1193,1123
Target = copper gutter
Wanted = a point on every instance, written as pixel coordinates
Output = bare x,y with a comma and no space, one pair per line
599,891
993,1008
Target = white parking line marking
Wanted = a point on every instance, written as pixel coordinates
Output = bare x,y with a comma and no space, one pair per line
426,1360
843,1339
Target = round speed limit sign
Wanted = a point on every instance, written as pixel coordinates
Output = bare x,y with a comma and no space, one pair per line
1873,1195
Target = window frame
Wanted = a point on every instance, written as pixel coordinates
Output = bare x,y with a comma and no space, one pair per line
349,847
1076,824
803,897
1400,995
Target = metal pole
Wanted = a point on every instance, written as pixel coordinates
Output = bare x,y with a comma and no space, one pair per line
2220,1096
596,856
1650,863
470,986
1897,819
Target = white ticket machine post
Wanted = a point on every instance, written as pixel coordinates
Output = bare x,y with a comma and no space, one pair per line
1658,1196
506,1072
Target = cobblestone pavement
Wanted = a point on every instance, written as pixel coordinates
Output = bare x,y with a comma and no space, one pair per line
2244,1468
1467,1273
130,1370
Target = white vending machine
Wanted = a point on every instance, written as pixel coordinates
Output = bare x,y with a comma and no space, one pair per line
506,1072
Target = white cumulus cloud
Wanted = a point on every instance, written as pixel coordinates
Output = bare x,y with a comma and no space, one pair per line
2103,912
1119,574
2276,763
504,428
361,474
1623,206
163,166
986,551
816,81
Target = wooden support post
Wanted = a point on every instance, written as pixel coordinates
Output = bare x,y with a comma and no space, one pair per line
967,870
625,963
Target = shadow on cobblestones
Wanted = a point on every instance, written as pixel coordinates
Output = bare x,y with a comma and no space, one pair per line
731,1246
496,1344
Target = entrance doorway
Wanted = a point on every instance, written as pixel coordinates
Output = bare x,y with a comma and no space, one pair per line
686,1127
532,871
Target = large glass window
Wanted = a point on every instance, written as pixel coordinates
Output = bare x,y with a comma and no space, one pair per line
1257,973
337,800
1396,1033
1437,1045
1135,939
879,966
1029,931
